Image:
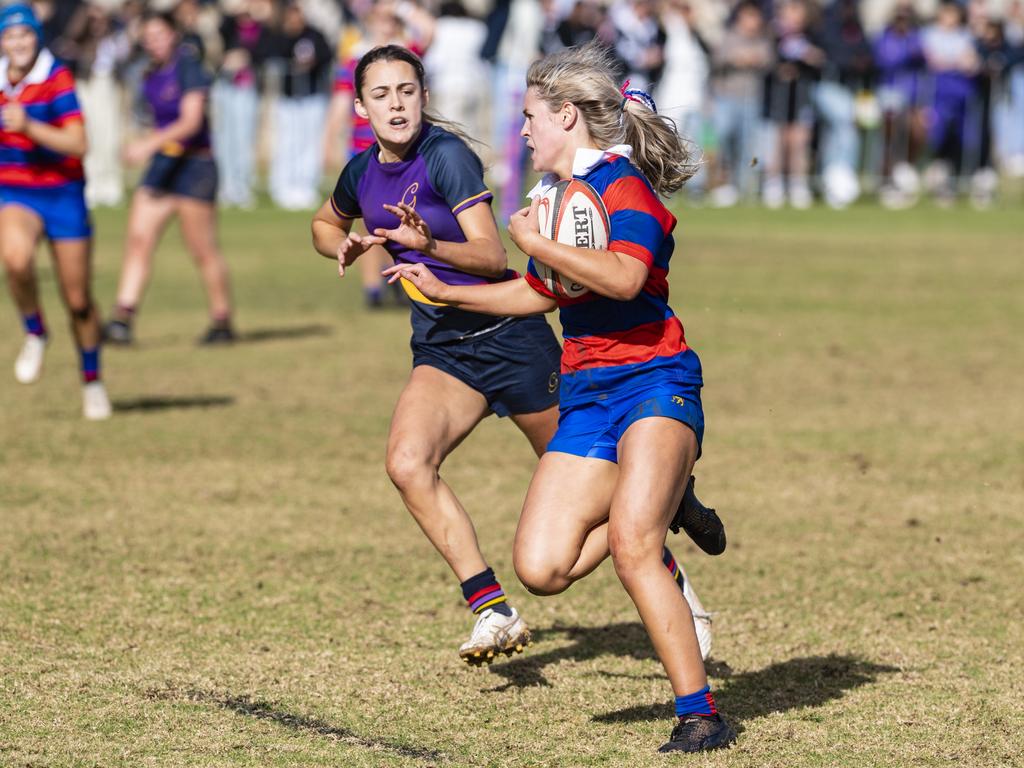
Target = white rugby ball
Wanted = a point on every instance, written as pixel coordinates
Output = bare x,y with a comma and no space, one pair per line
572,213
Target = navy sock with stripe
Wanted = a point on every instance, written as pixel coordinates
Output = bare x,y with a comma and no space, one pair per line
483,591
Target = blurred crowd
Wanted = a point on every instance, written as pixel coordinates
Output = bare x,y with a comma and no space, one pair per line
787,100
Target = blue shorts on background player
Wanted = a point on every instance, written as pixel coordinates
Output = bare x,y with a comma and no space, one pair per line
42,196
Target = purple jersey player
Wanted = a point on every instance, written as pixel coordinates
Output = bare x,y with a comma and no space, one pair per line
181,179
420,189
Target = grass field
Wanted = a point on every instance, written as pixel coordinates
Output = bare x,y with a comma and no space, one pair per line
222,575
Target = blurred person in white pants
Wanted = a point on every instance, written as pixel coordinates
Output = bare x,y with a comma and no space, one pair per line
235,96
740,61
99,50
683,85
454,67
300,113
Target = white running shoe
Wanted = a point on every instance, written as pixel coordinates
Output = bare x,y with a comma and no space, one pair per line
701,618
95,403
29,364
774,193
495,633
800,196
725,196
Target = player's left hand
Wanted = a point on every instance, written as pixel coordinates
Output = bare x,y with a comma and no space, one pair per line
14,117
524,226
420,276
412,231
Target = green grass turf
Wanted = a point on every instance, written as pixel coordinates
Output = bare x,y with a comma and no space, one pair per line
222,574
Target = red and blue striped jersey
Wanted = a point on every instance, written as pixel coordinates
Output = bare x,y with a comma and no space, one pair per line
610,343
47,93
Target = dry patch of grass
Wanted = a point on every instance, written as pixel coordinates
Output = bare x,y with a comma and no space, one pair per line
223,576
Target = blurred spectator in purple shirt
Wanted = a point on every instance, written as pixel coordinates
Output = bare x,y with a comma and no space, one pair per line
901,66
953,63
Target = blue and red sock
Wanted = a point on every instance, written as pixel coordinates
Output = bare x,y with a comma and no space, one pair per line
483,591
90,364
697,703
34,325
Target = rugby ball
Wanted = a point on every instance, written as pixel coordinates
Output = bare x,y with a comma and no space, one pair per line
572,213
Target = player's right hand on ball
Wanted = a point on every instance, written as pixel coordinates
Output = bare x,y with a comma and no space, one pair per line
421,277
354,246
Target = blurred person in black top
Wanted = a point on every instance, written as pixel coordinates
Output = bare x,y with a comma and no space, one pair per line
300,113
584,23
787,104
848,69
995,55
639,41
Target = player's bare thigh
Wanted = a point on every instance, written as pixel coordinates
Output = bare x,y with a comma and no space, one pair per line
434,413
568,498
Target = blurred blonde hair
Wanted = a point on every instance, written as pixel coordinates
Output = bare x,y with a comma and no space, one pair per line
583,77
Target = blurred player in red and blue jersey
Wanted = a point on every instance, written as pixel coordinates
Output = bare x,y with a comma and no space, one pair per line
42,195
631,421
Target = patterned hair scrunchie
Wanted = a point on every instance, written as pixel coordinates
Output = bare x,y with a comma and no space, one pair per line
639,96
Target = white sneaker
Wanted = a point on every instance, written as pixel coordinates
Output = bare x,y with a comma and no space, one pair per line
774,194
984,184
725,196
842,187
701,618
906,179
29,364
95,403
495,633
800,196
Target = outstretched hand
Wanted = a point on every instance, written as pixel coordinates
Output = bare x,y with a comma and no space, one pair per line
354,246
412,231
420,276
524,226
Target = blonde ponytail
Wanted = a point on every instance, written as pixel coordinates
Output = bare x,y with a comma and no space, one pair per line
583,77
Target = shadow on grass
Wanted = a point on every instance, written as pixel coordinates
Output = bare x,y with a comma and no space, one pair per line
802,682
261,710
276,334
809,681
171,403
627,639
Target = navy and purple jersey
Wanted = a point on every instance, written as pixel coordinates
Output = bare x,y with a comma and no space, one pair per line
612,344
163,89
47,92
440,177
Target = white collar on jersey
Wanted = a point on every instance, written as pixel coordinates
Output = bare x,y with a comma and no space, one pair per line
584,162
38,74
